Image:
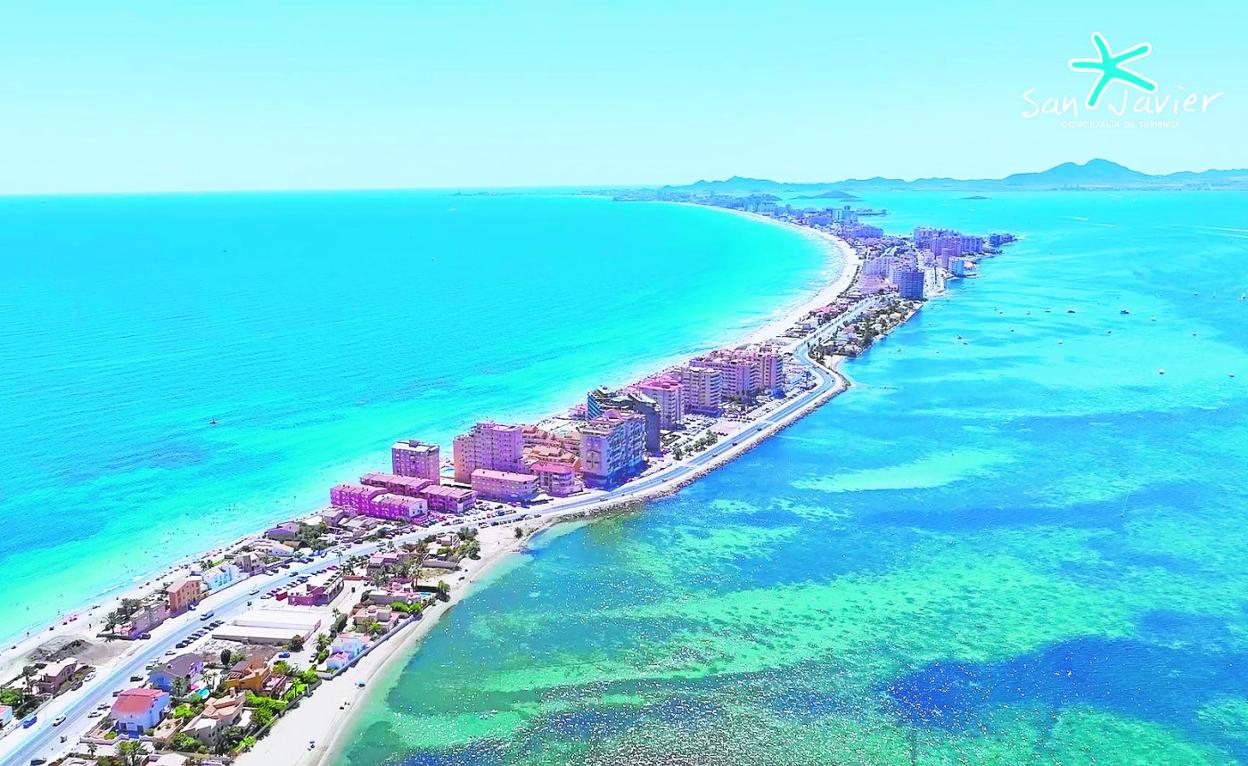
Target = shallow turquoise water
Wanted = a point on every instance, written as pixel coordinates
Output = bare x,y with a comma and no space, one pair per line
1022,547
317,328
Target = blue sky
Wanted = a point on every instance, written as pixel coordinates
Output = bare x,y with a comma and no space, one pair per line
159,95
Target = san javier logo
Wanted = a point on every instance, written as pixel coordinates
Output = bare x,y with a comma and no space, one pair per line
1136,102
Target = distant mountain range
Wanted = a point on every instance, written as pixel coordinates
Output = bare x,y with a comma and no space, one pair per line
1095,174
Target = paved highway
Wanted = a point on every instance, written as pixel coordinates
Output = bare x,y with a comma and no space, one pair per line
43,740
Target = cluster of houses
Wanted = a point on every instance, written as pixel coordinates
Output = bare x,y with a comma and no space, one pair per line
40,682
136,618
186,705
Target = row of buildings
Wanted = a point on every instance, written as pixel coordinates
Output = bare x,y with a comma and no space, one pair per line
133,619
516,463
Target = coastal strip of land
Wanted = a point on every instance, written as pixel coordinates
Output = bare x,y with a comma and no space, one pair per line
880,282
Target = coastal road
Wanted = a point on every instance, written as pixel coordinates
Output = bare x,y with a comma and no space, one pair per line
43,740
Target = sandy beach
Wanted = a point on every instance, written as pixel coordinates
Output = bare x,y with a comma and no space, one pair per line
324,720
324,712
326,717
848,263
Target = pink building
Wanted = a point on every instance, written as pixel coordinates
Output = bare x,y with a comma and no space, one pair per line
354,497
323,589
613,447
396,484
770,369
398,508
702,389
745,372
668,394
491,446
444,499
556,479
504,485
739,378
415,458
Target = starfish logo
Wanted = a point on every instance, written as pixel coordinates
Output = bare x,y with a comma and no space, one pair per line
1110,68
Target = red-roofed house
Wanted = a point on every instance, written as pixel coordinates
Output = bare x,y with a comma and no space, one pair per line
137,710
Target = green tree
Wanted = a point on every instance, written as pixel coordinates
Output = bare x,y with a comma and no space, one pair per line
180,687
262,717
226,655
28,673
296,643
131,753
230,738
186,743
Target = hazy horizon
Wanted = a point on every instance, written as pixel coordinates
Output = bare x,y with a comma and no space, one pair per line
251,97
552,188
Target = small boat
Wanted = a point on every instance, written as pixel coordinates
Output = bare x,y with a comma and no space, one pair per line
1124,312
1161,371
1070,311
212,422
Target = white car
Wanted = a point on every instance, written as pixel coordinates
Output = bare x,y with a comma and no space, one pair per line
60,719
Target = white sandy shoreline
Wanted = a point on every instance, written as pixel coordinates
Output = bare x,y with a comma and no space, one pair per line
320,717
94,607
322,712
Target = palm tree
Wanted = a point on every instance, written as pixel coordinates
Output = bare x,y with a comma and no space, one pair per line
91,748
132,753
180,687
28,672
211,678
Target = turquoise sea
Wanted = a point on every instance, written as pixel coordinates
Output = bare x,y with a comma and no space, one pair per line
316,328
1014,541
